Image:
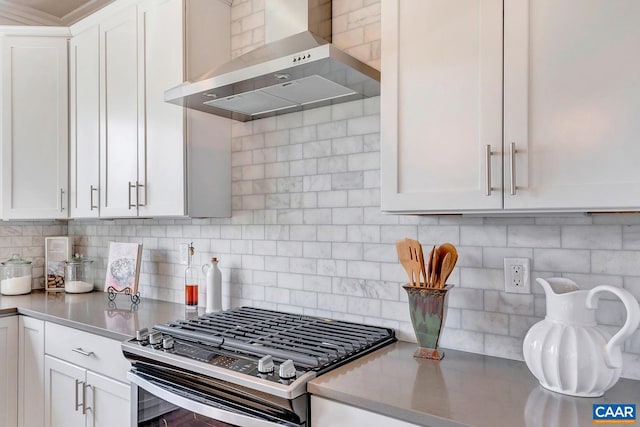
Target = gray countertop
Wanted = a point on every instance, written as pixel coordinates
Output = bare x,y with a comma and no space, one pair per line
92,311
463,389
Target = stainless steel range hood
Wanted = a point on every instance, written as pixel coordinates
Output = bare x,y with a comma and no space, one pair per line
298,68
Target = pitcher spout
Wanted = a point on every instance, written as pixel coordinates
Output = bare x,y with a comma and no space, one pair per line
557,286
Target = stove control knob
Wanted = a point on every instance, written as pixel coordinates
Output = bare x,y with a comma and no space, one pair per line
287,370
167,343
142,334
155,338
265,365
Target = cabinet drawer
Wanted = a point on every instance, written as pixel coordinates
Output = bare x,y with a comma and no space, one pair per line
103,355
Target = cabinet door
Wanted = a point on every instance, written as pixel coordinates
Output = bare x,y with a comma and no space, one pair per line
572,102
84,95
31,372
35,128
8,371
328,413
109,402
119,115
162,150
441,105
64,385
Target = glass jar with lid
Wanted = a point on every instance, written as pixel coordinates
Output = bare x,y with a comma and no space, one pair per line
15,276
78,275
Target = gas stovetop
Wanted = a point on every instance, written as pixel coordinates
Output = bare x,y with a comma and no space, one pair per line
264,350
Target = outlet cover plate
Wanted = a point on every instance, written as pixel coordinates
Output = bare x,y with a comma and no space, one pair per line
516,276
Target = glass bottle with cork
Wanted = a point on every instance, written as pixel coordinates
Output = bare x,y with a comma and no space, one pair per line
191,282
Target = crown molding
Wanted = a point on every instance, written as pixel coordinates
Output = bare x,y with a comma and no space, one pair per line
27,15
96,17
34,30
83,11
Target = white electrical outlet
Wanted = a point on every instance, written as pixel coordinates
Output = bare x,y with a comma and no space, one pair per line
516,276
183,250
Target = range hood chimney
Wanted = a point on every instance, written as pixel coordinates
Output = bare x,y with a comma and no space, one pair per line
298,68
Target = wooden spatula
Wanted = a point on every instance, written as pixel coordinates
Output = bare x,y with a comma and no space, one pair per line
404,255
412,259
417,258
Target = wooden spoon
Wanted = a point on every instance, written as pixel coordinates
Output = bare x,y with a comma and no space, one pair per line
446,270
449,248
435,268
429,267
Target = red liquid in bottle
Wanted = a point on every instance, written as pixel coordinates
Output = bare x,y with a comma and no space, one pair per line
191,296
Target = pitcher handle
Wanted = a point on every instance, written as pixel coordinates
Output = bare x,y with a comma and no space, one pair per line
205,268
614,360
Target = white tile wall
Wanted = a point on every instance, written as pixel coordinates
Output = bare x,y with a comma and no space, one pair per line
307,235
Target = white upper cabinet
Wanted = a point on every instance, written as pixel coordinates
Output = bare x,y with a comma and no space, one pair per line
119,126
565,138
155,158
161,150
84,135
441,105
34,145
185,153
571,105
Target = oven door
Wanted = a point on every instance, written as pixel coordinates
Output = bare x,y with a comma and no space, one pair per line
164,400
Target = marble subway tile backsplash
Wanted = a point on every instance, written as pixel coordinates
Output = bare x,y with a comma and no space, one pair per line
339,260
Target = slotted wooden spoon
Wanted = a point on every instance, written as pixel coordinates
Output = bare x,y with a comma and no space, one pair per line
417,260
412,259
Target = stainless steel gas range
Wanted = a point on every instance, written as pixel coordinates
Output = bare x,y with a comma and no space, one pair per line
242,367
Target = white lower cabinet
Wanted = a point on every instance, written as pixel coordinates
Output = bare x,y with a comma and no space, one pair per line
30,372
64,404
8,371
329,413
79,397
84,380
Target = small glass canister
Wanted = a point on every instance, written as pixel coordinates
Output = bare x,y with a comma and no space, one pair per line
15,276
78,275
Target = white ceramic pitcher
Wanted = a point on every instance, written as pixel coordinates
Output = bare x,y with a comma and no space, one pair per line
566,351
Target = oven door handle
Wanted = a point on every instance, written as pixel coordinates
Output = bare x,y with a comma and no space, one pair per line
197,407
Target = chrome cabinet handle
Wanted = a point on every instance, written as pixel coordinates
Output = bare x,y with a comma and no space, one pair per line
82,352
84,399
130,187
138,194
91,202
488,170
512,166
61,199
78,404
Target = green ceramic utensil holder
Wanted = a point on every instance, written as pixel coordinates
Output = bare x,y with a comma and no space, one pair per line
427,307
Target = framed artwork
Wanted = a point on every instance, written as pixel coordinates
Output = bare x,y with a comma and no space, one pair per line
123,267
57,250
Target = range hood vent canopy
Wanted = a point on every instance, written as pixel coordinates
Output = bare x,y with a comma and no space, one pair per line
298,68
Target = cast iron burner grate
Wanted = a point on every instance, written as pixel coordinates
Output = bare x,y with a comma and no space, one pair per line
315,343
